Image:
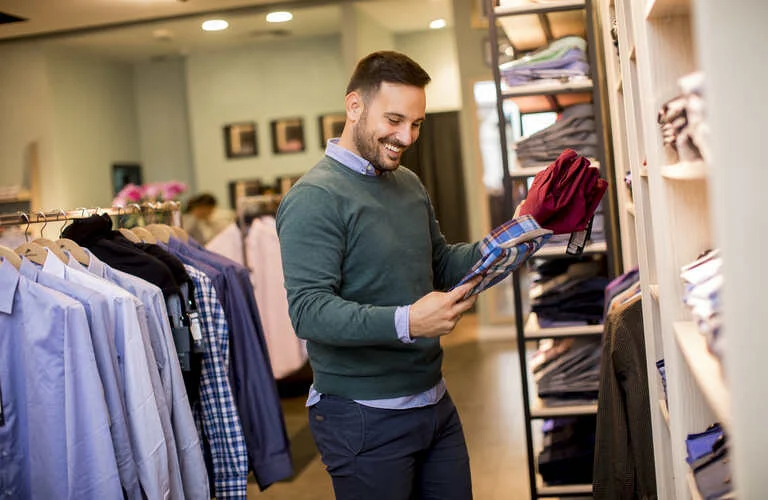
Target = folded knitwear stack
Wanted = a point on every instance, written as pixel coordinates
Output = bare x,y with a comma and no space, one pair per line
575,129
563,59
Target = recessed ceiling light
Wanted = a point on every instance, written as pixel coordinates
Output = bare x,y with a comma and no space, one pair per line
437,24
279,17
215,25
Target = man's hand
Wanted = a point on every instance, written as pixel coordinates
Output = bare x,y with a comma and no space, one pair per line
437,313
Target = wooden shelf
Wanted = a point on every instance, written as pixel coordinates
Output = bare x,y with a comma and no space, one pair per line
633,53
663,8
548,88
630,207
654,291
706,369
564,490
643,171
620,85
533,331
664,411
539,8
559,250
695,495
539,411
692,170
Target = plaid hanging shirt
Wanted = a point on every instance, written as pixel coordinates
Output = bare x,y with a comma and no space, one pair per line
504,249
217,414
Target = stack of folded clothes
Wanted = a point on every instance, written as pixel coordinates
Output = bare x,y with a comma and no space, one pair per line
682,120
708,458
563,59
703,280
575,129
569,448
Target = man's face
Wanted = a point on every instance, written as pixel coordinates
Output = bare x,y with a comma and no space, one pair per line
389,123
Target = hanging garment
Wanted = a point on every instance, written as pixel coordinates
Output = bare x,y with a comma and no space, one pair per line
287,352
54,422
229,243
624,460
250,373
564,196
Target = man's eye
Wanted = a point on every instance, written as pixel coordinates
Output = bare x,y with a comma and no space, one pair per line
394,121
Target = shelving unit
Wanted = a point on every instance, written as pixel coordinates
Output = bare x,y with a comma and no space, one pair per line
558,17
685,208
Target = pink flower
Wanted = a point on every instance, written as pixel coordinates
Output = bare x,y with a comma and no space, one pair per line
131,193
152,191
172,189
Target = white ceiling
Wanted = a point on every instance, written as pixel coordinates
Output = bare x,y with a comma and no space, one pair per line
164,37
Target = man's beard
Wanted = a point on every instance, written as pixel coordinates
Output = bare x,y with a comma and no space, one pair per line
370,149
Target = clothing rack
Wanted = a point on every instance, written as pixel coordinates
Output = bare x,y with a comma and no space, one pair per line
256,205
60,215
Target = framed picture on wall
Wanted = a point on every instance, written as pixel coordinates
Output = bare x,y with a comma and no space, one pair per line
240,140
330,126
288,135
124,174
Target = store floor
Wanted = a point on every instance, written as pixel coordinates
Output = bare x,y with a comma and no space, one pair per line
484,381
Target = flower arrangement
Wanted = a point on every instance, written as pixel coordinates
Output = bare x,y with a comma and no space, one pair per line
152,192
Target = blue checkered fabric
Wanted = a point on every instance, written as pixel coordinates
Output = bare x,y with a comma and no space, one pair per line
217,414
504,249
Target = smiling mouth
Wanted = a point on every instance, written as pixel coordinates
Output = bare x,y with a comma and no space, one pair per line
392,148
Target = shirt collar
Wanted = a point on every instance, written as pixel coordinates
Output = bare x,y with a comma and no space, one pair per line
348,158
54,265
9,280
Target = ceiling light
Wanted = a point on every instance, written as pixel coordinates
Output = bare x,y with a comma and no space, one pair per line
437,24
215,25
279,17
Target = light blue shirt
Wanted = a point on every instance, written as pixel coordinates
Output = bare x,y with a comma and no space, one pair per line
103,339
148,438
402,313
55,441
194,475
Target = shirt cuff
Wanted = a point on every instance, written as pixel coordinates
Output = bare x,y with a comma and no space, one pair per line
402,326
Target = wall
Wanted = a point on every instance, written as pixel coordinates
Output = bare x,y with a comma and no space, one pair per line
435,51
25,107
163,125
260,83
361,36
94,123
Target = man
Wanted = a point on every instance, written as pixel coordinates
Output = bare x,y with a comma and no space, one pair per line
362,256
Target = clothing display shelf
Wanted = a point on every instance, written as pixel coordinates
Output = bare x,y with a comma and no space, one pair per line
685,208
551,96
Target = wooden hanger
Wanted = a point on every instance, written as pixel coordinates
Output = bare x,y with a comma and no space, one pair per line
11,256
160,231
34,252
56,249
144,235
74,250
180,233
129,235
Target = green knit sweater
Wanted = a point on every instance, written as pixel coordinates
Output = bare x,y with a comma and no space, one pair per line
355,247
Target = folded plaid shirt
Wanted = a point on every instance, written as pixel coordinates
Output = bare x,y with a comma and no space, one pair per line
505,249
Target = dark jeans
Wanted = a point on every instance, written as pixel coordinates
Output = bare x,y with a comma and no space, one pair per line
372,453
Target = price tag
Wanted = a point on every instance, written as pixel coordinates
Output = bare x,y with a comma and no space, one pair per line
195,328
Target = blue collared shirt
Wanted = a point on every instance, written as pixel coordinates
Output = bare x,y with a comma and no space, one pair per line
103,338
426,398
55,440
189,457
143,395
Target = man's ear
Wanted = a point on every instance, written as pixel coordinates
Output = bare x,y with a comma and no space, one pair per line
354,106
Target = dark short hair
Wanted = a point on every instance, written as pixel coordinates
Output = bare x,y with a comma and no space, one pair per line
386,66
201,200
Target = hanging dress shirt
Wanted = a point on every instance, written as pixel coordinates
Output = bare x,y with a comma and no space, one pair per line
103,338
287,352
148,420
250,373
218,413
55,440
